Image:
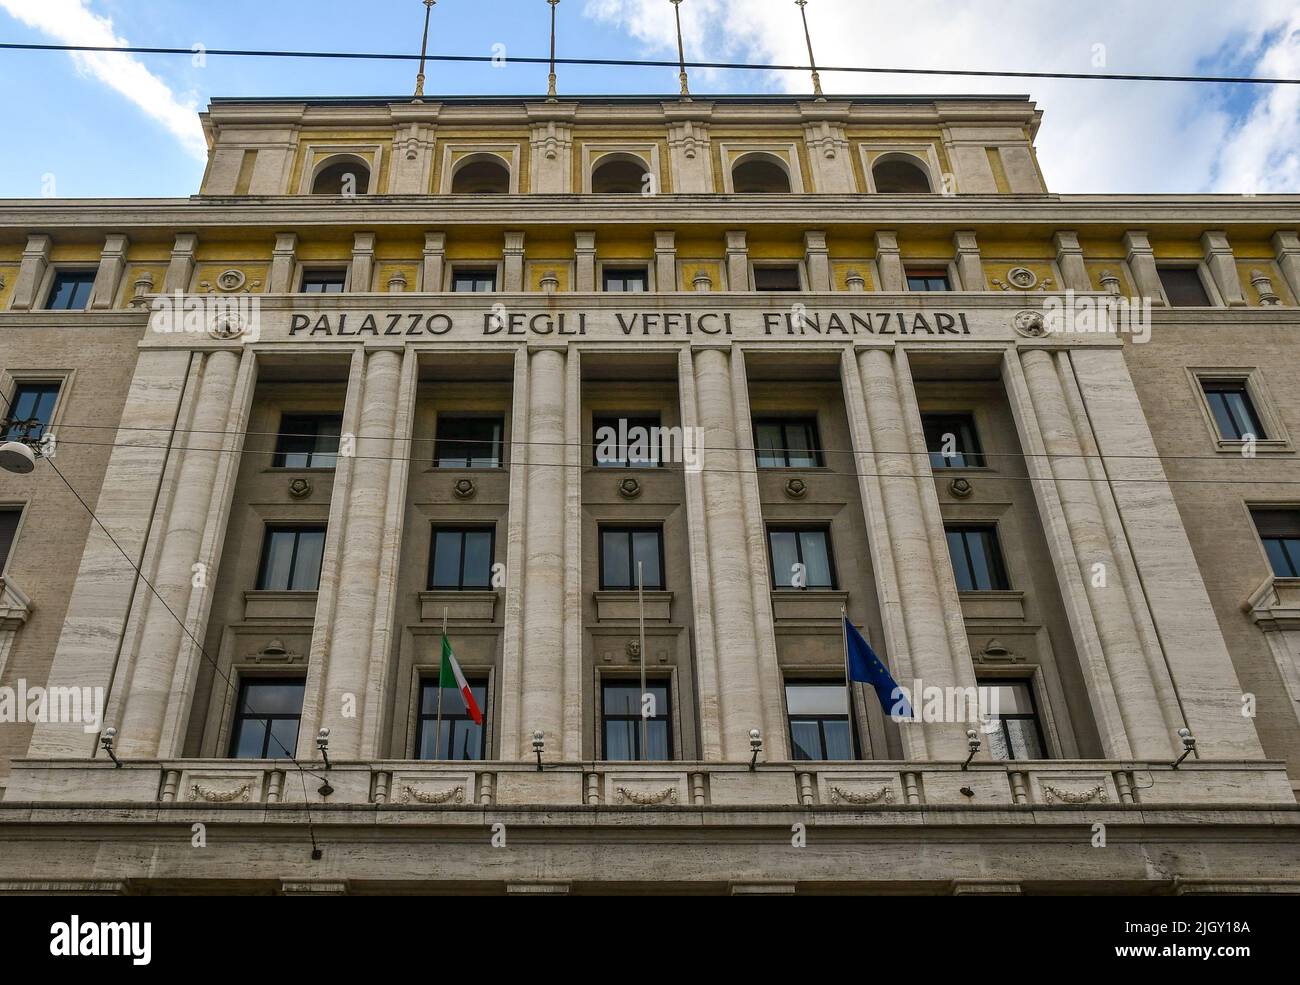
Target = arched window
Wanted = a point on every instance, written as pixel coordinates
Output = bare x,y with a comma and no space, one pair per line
481,174
900,174
618,174
763,173
342,176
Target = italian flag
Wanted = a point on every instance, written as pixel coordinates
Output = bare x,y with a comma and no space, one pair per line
449,675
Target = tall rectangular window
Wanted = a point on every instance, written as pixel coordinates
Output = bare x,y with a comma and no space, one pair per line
820,728
620,550
625,442
633,280
622,705
9,517
460,558
787,443
777,278
307,441
31,410
70,290
928,281
1279,532
1233,410
1184,287
291,558
466,281
468,442
1019,734
801,557
460,739
976,559
321,281
267,718
952,441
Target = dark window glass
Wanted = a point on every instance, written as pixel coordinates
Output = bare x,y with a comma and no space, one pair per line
8,529
468,442
307,441
928,281
324,281
31,409
951,441
1234,413
71,290
291,558
801,557
460,738
976,559
266,719
1011,707
900,177
787,443
1279,531
473,281
819,720
620,550
1184,287
635,281
777,279
460,558
621,705
625,442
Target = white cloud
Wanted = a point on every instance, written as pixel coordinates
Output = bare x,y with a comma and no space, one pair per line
1096,136
70,22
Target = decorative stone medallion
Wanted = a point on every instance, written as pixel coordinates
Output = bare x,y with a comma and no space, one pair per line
1029,323
961,488
629,488
230,280
464,489
300,487
796,488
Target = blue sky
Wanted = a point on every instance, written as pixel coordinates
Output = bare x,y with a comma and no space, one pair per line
122,129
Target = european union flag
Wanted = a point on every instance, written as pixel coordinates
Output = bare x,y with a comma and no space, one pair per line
866,667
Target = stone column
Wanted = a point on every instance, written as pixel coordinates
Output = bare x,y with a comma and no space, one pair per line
889,263
737,261
180,269
31,273
584,261
1223,267
970,268
1286,246
363,263
108,278
739,682
817,260
551,158
689,157
1142,265
665,260
1069,260
1133,701
412,168
159,663
284,261
830,158
352,644
512,262
435,253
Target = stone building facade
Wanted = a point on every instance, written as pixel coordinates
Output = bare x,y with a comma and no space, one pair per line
353,392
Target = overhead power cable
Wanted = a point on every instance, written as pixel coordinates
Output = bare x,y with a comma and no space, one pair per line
655,63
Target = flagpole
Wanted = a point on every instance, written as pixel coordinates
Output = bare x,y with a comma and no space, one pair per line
681,53
640,608
437,733
550,79
424,48
848,684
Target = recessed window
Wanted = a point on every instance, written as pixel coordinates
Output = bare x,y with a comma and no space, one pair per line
1019,734
31,410
622,706
267,718
625,442
70,290
1234,412
9,517
899,176
324,281
801,557
481,175
291,558
787,443
622,549
785,278
619,175
633,280
307,441
819,720
1279,532
760,174
1184,287
928,280
464,281
952,441
460,558
348,176
461,738
976,559
468,442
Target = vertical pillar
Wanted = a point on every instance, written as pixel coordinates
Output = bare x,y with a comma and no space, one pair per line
31,273
584,256
159,663
737,260
689,157
352,644
284,260
970,268
665,260
1286,247
112,265
363,263
435,253
1142,265
889,263
180,269
817,260
1069,261
512,262
551,158
1223,267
